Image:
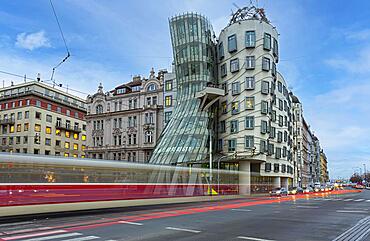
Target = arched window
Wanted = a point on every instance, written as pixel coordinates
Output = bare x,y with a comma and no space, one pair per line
99,109
149,137
152,87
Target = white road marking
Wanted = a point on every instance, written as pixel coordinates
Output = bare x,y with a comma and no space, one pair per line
183,229
132,223
347,200
307,206
27,230
351,211
34,235
54,237
255,239
359,200
82,238
240,209
14,224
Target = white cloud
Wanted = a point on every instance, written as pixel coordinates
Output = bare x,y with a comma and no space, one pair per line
33,40
358,64
360,35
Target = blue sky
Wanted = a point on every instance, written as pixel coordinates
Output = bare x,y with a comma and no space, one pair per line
324,49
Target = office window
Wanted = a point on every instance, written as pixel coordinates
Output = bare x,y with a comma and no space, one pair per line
49,118
57,132
280,87
224,107
59,109
37,128
223,70
19,127
234,107
26,126
284,151
275,48
148,137
267,167
232,45
68,112
234,65
265,87
168,85
75,136
234,126
37,139
99,109
225,87
66,145
280,120
221,53
267,41
264,107
222,126
48,130
47,141
38,115
19,116
49,106
272,133
278,153
271,149
26,114
68,134
263,146
265,64
280,104
263,127
250,62
168,101
273,69
75,146
249,103
280,136
249,142
167,116
232,145
20,103
249,83
249,122
12,128
235,88
250,39
38,103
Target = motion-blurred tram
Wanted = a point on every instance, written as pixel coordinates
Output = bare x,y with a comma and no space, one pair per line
35,179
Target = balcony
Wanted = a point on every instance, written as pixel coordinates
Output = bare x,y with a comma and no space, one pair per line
7,121
67,127
209,96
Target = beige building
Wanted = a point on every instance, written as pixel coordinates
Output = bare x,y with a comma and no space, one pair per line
125,123
324,174
39,119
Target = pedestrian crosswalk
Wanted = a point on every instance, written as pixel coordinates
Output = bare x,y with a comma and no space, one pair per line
27,231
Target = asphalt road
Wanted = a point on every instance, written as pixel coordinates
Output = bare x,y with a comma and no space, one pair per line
314,217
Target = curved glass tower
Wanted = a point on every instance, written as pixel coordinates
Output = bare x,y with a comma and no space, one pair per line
185,138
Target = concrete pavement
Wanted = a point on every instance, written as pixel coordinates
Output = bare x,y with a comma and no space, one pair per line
314,217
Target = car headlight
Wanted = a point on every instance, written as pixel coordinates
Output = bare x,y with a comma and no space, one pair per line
277,192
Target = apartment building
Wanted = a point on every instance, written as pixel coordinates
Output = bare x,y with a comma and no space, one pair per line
40,119
125,123
169,96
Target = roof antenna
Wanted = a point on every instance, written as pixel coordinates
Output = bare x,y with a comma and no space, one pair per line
65,44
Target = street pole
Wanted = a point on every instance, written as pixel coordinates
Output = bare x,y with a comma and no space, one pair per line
210,161
365,172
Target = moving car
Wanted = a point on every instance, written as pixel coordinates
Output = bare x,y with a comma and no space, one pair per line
308,190
280,191
295,190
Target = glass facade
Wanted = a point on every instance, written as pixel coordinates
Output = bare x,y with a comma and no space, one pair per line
186,136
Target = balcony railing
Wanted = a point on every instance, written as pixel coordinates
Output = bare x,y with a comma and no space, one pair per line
7,121
67,127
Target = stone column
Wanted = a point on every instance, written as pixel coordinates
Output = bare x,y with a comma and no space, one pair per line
276,182
284,182
244,178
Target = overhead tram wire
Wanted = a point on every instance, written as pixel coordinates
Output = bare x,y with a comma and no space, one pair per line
65,44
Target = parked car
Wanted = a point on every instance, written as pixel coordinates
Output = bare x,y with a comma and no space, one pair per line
295,190
280,191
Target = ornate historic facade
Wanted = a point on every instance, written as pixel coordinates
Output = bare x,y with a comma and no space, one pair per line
125,123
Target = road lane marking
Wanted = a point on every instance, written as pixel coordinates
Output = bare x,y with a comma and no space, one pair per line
27,230
360,230
183,229
82,238
13,224
359,200
54,237
132,223
242,210
307,206
347,200
255,239
351,211
33,235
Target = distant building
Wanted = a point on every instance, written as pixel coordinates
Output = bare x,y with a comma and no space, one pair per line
39,119
169,95
125,123
324,174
